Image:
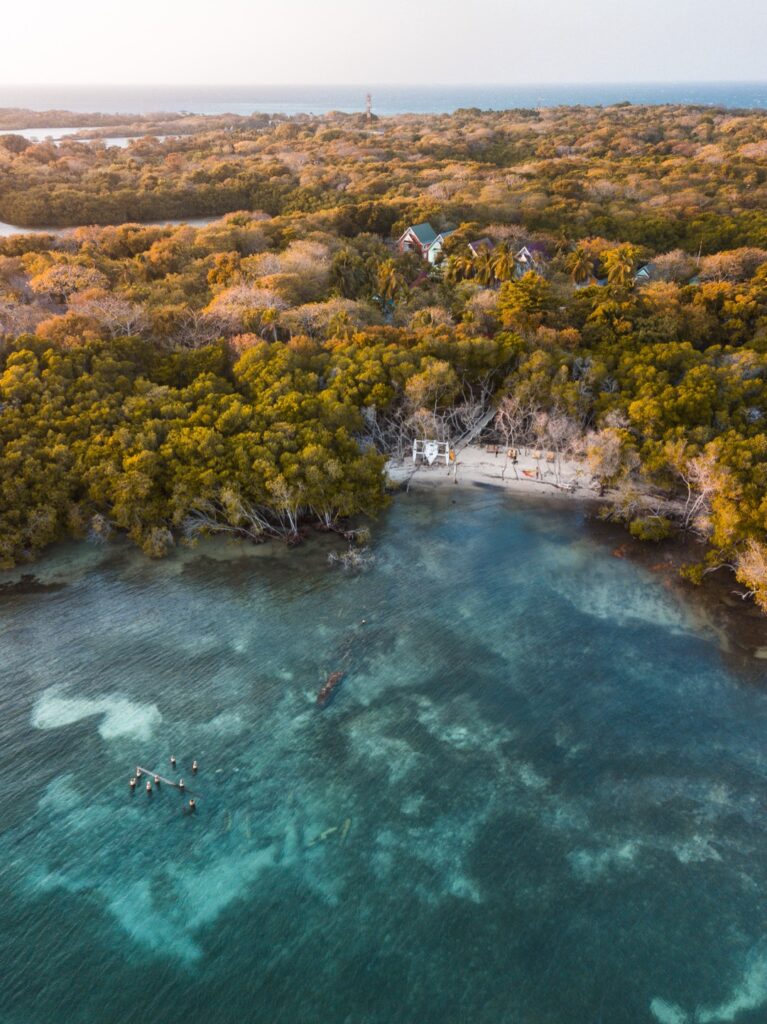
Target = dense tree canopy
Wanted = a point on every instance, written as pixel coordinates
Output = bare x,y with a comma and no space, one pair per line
250,375
657,177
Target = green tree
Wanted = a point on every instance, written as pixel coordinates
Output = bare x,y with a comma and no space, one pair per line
581,265
504,262
619,264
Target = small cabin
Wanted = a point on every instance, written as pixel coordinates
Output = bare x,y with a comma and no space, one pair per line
525,257
645,274
531,257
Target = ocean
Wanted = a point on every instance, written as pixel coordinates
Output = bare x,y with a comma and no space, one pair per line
387,99
537,797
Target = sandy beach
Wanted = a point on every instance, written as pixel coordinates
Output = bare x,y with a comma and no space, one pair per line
477,464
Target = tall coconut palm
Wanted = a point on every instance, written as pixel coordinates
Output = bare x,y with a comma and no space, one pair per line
484,269
451,269
581,265
458,268
619,264
390,281
504,263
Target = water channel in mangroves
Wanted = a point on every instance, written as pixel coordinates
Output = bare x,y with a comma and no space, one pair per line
539,796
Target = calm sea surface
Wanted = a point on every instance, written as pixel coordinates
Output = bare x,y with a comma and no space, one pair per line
387,99
539,796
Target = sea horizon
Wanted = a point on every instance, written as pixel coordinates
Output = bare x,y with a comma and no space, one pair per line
388,100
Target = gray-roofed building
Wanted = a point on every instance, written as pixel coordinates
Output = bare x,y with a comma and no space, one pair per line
423,239
645,274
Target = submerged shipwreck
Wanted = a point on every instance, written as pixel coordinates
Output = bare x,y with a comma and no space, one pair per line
328,688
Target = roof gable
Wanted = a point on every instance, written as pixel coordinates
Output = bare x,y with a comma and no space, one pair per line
479,244
646,270
440,238
424,232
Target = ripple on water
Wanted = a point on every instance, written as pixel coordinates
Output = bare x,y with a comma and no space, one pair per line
532,765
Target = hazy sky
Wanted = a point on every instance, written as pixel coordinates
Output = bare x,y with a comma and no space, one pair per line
381,41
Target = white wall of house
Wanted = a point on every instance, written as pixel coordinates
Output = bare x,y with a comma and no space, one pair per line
435,249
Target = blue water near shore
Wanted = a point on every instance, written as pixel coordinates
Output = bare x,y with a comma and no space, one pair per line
387,99
538,796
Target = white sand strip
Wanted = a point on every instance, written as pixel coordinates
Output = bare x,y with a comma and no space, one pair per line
567,478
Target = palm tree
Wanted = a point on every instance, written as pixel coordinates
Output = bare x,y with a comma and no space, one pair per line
504,263
340,325
581,265
390,281
270,319
347,273
458,268
619,264
452,269
484,268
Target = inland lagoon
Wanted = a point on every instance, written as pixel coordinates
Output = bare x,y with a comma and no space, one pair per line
538,796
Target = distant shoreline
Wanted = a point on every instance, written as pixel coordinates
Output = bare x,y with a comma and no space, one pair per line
388,100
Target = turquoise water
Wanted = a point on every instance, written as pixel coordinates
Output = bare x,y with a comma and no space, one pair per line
387,99
547,790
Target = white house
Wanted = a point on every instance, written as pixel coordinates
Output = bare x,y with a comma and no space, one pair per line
423,239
